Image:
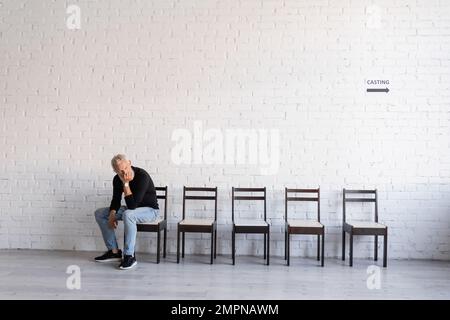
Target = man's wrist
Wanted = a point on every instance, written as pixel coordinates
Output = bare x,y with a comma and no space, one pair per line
126,190
126,184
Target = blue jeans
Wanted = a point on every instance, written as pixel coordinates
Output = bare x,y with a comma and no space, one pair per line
130,219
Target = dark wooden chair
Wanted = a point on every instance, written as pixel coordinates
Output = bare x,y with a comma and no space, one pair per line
202,225
365,228
298,226
158,225
250,226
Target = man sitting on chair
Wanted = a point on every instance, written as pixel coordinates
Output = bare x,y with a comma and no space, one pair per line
141,206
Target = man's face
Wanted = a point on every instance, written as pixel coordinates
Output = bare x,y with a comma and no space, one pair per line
123,167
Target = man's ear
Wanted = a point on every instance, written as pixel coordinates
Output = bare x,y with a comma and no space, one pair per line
129,162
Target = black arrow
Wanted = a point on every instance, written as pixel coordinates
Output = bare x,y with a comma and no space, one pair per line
378,90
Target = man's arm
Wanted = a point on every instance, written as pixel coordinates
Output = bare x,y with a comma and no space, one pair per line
117,195
134,199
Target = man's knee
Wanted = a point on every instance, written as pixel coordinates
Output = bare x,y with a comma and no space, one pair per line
128,216
101,213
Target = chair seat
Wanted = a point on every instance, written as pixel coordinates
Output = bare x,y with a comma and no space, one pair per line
155,222
297,223
197,222
251,223
366,225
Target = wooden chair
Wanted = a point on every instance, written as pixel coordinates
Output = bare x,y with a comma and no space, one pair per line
251,226
363,227
203,225
297,226
158,225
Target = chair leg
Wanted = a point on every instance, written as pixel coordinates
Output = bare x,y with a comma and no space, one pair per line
343,245
268,245
215,243
351,249
318,247
178,246
288,248
158,246
385,240
233,245
164,242
323,248
212,246
285,244
376,249
265,248
182,245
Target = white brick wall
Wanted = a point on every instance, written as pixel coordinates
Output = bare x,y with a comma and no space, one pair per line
138,70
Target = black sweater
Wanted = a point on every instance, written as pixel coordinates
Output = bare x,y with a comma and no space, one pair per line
142,188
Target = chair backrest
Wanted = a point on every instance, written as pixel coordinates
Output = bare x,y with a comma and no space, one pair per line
162,195
349,196
315,197
202,190
235,196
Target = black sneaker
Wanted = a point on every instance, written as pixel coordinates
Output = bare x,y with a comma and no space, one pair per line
109,256
128,262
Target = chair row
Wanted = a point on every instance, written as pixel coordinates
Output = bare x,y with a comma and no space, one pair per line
262,226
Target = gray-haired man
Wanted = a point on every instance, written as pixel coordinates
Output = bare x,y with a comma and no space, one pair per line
141,206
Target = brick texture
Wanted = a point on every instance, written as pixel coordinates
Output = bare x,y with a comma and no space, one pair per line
136,71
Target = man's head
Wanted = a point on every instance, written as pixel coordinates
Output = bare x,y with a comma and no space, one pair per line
121,165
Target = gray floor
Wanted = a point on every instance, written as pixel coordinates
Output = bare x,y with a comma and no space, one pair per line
37,274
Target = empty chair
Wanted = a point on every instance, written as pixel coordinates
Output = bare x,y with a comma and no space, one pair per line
202,225
356,228
302,226
253,225
158,225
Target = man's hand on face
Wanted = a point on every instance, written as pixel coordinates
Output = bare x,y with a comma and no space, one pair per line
112,221
124,171
127,177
